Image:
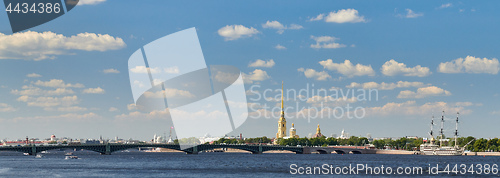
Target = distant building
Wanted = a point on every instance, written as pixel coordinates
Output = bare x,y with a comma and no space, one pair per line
207,138
90,141
318,133
293,132
343,135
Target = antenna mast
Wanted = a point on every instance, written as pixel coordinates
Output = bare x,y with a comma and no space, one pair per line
442,125
456,130
432,125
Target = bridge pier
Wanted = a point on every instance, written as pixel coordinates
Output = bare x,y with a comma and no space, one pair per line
33,150
108,150
195,151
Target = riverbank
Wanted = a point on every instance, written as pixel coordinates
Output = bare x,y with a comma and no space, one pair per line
395,152
482,154
387,152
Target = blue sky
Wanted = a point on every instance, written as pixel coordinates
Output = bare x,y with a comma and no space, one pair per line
426,34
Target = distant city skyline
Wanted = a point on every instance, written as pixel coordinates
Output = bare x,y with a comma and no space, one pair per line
70,77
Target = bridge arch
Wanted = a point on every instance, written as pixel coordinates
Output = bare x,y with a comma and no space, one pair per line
320,151
296,150
226,150
340,152
283,151
355,152
212,147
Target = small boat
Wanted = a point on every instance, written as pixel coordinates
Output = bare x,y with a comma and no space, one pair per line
69,154
26,154
38,156
71,157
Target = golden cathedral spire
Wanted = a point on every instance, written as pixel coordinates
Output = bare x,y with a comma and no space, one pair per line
281,95
282,121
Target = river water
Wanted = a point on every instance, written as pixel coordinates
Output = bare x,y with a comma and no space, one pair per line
142,164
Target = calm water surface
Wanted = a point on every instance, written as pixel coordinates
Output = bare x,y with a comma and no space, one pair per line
141,164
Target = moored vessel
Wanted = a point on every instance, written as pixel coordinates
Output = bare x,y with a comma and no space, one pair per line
432,148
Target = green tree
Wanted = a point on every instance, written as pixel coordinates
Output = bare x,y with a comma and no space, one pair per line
493,148
332,141
379,144
480,145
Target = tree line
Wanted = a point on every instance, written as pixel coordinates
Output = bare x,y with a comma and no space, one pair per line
475,145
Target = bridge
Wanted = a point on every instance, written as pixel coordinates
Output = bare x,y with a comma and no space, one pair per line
339,150
107,149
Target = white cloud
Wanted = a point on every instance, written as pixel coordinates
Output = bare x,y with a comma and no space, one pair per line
311,73
324,101
411,14
326,42
256,75
318,17
57,83
155,70
111,71
168,92
470,64
392,68
424,92
60,118
445,5
341,16
90,2
6,108
280,27
113,109
33,75
97,90
273,24
47,102
71,109
138,116
466,104
386,86
234,32
261,63
280,47
35,91
172,70
348,69
138,83
144,70
131,107
47,45
411,108
226,77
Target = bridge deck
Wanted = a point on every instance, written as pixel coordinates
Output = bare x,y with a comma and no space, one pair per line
255,149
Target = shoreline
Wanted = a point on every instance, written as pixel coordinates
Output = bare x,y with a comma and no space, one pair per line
386,152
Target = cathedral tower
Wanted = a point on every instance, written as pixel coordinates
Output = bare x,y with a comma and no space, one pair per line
282,122
318,133
293,132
